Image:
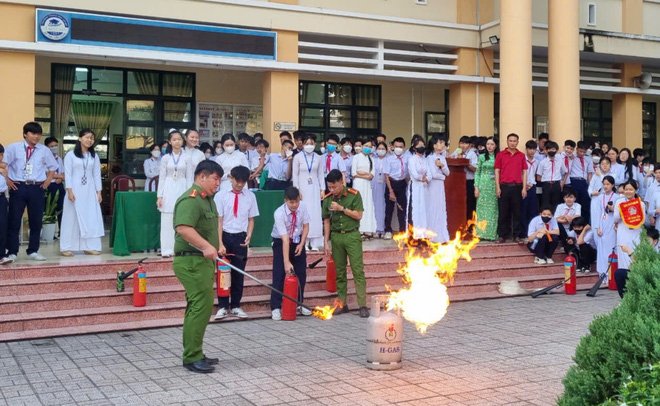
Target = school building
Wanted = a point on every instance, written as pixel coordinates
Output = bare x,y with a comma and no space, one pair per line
131,70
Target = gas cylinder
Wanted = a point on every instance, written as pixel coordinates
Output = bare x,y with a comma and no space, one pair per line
224,278
613,259
570,286
384,336
288,307
331,276
140,289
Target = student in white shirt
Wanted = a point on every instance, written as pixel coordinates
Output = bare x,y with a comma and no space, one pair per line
581,243
396,180
3,212
229,159
617,168
550,173
152,168
347,157
567,211
540,153
580,171
543,236
332,159
237,209
468,151
279,167
289,257
530,203
57,184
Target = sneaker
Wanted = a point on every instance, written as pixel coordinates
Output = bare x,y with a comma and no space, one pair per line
388,236
276,314
5,261
539,261
549,261
35,256
304,311
222,313
586,270
238,312
11,258
364,312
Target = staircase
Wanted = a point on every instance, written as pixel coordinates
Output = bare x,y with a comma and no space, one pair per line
55,300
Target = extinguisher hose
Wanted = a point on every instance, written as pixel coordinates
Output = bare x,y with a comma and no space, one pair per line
555,286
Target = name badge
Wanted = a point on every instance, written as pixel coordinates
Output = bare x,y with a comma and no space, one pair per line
28,169
296,240
492,176
380,178
309,181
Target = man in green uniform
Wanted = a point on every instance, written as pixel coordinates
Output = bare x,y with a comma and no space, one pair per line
342,212
195,251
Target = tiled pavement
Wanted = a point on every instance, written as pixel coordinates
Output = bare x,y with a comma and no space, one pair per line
489,352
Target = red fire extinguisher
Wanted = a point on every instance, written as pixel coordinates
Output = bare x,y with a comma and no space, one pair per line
613,259
224,278
288,307
140,289
331,276
570,286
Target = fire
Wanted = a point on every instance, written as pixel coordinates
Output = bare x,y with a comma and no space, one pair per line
326,312
429,266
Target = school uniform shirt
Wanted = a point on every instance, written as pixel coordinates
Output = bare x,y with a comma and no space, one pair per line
537,223
616,171
532,167
596,183
253,158
580,167
566,163
564,210
551,170
3,185
397,167
228,162
277,166
539,156
60,167
588,237
284,222
472,156
151,170
41,161
651,191
348,164
332,161
235,219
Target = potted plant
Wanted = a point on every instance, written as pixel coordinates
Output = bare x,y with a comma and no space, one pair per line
49,222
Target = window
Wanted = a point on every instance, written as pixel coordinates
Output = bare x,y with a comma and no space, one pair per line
43,112
591,18
649,126
597,120
344,109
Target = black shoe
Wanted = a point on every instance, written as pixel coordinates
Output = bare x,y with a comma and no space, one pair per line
364,312
501,240
211,361
199,366
343,310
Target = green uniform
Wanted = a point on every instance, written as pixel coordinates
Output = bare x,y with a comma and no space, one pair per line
346,242
196,209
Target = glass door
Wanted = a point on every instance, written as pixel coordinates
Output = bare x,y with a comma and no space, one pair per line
140,134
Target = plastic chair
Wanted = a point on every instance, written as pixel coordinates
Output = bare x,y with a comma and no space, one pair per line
121,183
153,184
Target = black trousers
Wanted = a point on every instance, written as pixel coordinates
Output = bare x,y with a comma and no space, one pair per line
3,225
529,210
232,243
399,188
509,203
551,194
52,189
31,196
580,187
584,254
544,248
274,184
471,200
299,267
621,277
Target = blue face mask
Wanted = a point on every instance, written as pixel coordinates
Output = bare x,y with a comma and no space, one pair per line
366,150
331,148
163,151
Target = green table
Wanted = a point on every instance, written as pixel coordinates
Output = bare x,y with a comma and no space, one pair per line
268,201
135,223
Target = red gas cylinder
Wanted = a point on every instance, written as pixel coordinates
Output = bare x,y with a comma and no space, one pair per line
613,259
331,276
224,278
570,286
288,307
140,289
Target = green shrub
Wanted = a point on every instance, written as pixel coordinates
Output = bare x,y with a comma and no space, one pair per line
621,343
644,391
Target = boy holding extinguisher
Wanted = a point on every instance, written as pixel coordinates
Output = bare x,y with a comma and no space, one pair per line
289,258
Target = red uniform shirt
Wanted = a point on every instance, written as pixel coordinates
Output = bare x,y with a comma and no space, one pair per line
511,166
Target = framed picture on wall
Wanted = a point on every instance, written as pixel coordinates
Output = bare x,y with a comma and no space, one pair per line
436,122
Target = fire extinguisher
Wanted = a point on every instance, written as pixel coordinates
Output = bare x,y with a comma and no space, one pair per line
570,286
140,289
291,289
224,278
613,259
331,276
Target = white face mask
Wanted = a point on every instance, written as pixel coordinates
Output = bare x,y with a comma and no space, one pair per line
323,150
589,152
155,153
207,155
646,168
230,150
398,151
288,152
347,149
596,159
218,151
309,148
381,152
54,149
358,149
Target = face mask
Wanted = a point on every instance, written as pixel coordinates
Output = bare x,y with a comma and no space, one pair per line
288,152
589,151
207,155
552,153
358,149
420,150
155,153
54,149
218,151
309,148
646,168
381,152
596,159
348,149
482,151
230,150
546,219
331,148
323,150
163,151
398,151
366,150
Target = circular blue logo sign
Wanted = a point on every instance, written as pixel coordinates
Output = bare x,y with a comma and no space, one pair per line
54,27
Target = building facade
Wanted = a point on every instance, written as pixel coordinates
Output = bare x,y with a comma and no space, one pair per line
133,70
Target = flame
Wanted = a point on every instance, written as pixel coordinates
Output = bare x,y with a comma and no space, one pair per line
326,312
429,266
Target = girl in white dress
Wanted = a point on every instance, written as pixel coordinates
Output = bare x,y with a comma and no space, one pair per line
596,184
307,176
195,156
229,159
363,171
175,174
625,235
602,221
418,190
82,222
378,187
438,171
152,167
